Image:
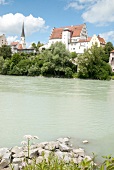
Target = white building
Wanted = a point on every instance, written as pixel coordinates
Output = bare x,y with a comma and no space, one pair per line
111,60
75,38
3,40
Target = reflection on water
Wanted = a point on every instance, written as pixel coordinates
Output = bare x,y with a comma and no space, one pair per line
52,108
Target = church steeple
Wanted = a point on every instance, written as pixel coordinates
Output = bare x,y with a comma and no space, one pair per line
23,32
23,37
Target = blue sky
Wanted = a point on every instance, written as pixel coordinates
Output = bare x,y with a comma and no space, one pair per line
40,16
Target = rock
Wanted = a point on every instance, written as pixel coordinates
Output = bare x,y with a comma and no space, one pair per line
75,160
39,159
41,151
85,141
15,166
67,159
88,157
18,160
4,163
80,152
59,154
18,155
79,159
33,153
63,140
16,149
7,156
42,144
3,151
52,146
64,148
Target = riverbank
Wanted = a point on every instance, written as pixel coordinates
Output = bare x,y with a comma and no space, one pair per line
61,148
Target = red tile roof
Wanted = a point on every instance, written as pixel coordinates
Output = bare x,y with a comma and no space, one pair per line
57,32
14,43
112,51
102,41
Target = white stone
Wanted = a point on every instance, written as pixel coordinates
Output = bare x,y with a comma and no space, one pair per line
79,159
64,147
15,166
39,159
7,156
67,159
75,160
3,151
33,153
16,149
19,155
63,140
85,141
88,157
4,163
52,146
80,152
18,160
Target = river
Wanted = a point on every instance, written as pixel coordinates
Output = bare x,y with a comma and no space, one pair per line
52,108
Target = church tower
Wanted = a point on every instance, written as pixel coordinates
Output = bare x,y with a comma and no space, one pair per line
23,37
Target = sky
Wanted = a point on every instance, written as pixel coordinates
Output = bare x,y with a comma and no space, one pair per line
41,16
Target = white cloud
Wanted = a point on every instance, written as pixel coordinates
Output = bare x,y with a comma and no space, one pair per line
11,24
74,5
108,36
101,12
12,39
3,2
80,4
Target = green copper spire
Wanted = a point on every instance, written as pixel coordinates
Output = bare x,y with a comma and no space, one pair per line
23,33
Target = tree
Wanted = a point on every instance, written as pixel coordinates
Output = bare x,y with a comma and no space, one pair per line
5,51
108,48
56,61
37,46
91,64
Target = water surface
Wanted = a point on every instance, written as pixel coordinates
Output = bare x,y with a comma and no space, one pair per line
52,108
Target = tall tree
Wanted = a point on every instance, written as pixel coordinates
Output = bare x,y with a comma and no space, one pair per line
5,51
108,48
57,61
91,64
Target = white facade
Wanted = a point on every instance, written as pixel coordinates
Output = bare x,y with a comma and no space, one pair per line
94,40
75,38
23,42
3,40
66,34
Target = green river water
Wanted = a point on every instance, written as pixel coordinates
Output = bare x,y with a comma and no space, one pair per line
52,108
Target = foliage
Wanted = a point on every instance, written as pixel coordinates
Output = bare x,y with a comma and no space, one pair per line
108,48
56,61
54,163
92,66
37,46
5,51
1,64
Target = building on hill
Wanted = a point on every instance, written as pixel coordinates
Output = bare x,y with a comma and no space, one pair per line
111,60
20,47
75,38
3,40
